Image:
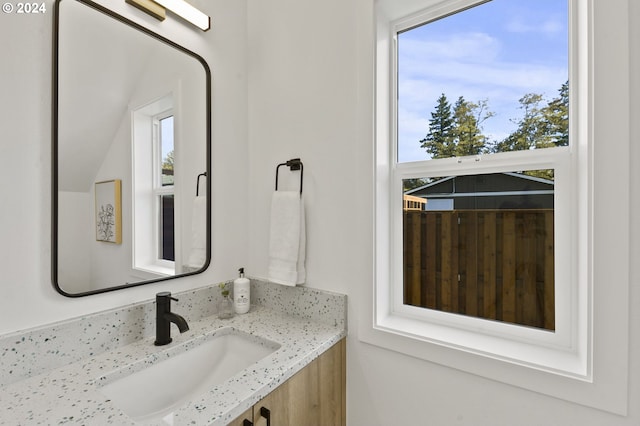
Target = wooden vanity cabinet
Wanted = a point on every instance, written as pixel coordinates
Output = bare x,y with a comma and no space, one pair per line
315,396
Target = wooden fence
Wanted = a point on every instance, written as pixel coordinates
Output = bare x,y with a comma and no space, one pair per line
494,264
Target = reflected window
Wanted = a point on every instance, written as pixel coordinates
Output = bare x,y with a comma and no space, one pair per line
164,188
154,174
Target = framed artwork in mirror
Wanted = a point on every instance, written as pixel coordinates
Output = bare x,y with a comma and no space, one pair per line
109,211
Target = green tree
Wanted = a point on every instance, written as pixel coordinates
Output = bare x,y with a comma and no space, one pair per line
457,131
540,126
468,118
531,132
556,115
409,184
439,142
168,161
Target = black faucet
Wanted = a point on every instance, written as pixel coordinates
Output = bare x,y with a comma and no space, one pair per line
164,318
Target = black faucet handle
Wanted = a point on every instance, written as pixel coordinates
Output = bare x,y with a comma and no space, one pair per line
165,294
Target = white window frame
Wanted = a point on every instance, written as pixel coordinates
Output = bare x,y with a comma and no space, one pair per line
564,366
158,189
562,350
146,178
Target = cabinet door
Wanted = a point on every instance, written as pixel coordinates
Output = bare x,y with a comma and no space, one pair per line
272,409
315,396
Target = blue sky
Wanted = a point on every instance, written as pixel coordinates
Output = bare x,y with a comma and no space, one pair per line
167,136
499,51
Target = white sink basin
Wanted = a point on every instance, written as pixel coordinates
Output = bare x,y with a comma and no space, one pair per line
155,391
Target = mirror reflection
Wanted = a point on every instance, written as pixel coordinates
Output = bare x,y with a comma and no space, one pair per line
131,154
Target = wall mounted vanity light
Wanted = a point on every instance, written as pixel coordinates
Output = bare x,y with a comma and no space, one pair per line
156,8
150,7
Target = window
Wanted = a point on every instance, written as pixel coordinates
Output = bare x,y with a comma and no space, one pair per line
480,205
484,57
154,177
499,153
585,358
164,192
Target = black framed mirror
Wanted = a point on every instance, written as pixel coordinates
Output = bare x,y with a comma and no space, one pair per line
131,198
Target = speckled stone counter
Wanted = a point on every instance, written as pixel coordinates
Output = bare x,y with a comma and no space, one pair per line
304,322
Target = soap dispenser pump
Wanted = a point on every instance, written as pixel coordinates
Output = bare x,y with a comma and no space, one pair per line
241,293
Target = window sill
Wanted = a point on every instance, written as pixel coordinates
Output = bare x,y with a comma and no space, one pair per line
479,342
154,270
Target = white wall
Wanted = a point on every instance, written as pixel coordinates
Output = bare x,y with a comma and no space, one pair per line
107,259
302,94
311,95
27,297
77,270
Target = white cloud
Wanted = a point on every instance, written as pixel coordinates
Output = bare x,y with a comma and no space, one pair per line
475,59
550,26
474,47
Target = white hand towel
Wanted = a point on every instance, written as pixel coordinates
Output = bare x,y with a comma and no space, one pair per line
198,254
287,239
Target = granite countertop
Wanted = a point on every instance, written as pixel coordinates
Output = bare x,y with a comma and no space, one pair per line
70,394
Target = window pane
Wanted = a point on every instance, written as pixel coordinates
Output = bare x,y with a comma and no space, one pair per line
166,148
486,249
167,244
489,79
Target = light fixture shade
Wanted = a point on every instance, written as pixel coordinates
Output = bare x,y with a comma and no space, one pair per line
150,7
187,12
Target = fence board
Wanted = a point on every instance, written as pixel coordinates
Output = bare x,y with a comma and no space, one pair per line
471,275
549,273
528,261
509,293
489,266
455,263
430,247
446,273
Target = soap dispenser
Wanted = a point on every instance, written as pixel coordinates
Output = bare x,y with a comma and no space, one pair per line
241,293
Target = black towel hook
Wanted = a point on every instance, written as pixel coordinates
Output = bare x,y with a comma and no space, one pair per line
198,184
293,164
